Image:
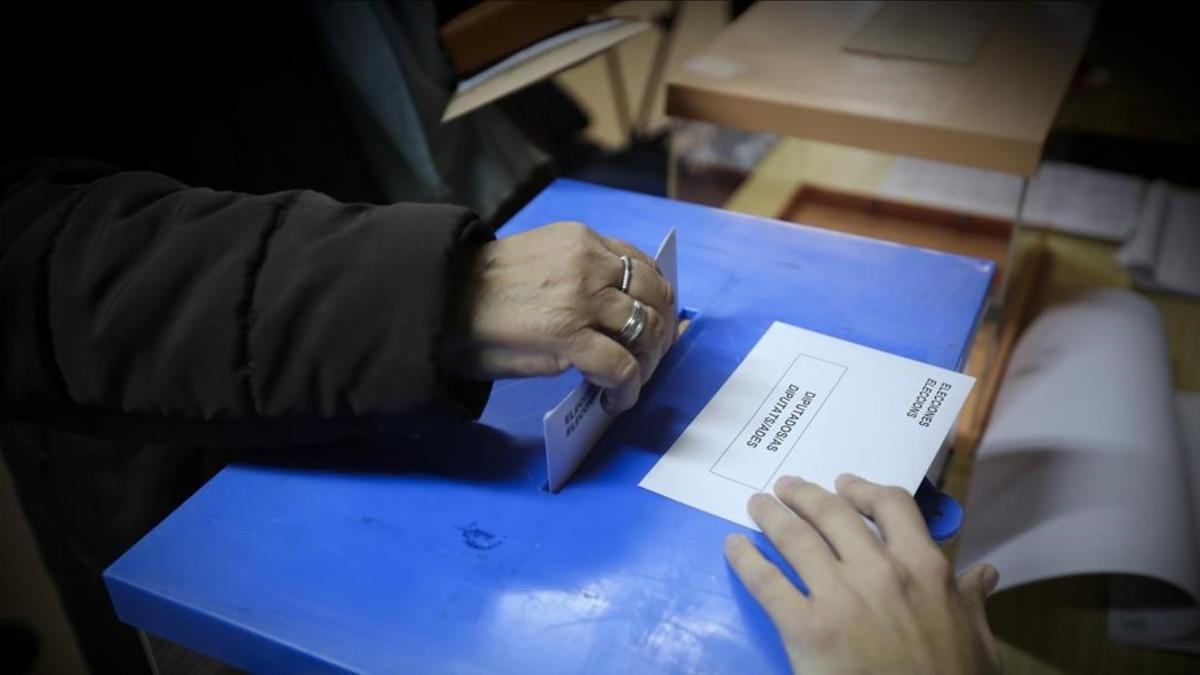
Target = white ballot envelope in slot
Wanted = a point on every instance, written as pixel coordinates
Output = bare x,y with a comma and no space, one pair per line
806,404
574,426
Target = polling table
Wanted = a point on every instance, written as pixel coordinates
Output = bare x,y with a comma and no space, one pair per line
444,552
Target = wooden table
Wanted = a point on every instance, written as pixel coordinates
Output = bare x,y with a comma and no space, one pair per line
781,68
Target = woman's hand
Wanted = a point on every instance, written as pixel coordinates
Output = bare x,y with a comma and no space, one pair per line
875,607
539,302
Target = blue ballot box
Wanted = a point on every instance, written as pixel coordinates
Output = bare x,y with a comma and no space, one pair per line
443,552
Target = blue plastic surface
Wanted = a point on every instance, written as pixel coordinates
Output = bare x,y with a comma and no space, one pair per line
443,553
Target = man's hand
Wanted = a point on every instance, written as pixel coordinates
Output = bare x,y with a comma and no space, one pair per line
539,302
875,607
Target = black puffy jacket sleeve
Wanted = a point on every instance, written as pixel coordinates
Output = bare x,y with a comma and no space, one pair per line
138,306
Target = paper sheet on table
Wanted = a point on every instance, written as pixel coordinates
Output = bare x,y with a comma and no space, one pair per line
937,31
1063,197
1164,253
1084,201
954,187
1080,470
807,404
1158,619
573,426
538,62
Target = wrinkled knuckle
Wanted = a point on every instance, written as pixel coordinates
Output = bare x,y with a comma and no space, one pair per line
561,324
580,294
596,285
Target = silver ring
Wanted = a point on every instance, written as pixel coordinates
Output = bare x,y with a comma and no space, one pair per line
626,273
634,325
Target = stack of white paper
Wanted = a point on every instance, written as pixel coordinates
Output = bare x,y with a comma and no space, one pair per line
1063,197
1164,253
1084,201
954,187
1082,469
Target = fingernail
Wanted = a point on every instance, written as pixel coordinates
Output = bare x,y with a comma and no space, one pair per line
733,541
